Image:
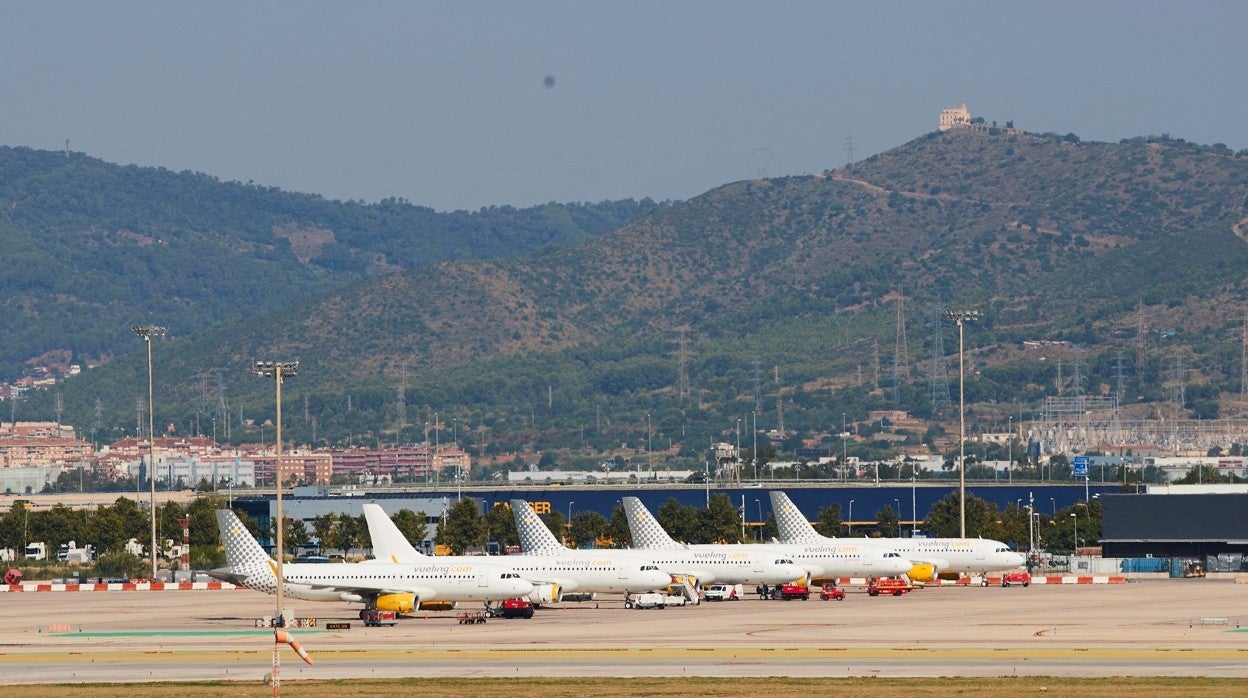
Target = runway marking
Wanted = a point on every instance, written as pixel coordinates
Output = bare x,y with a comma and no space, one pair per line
1099,654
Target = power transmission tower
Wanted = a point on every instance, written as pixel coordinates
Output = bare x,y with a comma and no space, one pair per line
1243,364
901,353
400,406
1141,342
758,386
682,363
1179,392
60,408
1118,375
851,148
875,364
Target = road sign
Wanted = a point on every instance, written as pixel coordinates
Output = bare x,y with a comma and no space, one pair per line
1081,466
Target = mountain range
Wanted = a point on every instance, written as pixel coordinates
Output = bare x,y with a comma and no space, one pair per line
785,300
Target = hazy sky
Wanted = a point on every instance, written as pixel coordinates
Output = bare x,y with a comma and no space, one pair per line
446,104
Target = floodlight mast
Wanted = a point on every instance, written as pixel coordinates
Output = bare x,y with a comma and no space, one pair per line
960,317
146,332
277,370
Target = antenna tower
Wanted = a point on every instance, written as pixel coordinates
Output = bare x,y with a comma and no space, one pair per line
758,386
682,361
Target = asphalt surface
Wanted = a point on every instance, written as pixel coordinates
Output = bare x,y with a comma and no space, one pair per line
1152,628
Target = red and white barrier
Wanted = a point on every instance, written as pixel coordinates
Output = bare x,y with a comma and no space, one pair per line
119,586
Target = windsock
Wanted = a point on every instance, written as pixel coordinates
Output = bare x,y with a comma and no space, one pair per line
283,636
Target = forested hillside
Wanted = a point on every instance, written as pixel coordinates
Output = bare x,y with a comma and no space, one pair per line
786,290
91,248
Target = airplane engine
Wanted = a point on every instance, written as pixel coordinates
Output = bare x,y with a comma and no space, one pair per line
437,605
399,603
546,593
922,572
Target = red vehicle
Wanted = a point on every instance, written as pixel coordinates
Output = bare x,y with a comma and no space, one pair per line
513,608
892,586
789,592
831,591
374,618
1015,577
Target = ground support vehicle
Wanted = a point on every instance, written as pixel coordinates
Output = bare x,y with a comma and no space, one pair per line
1015,577
512,608
470,617
650,600
375,618
789,592
724,592
889,586
831,591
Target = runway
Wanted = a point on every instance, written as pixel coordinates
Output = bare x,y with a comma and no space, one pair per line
1155,628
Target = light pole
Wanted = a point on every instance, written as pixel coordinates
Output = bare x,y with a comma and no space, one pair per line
960,317
570,503
754,449
146,332
1053,507
277,370
898,503
914,508
1009,445
1075,516
850,523
844,451
760,519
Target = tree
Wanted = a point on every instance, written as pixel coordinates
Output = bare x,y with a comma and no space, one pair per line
943,519
720,521
829,522
323,528
587,527
680,521
463,528
888,522
412,525
621,536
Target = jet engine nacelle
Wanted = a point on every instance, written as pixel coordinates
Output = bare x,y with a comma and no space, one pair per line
399,603
545,593
922,572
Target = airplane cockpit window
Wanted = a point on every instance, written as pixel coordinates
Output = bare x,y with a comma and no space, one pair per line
783,561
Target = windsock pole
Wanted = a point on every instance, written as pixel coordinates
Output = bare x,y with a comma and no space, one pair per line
284,637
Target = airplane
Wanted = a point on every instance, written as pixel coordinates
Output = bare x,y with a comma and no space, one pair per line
942,555
717,564
401,588
552,577
818,559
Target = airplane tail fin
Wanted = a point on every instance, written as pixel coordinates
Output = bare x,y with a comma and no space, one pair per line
791,525
389,543
645,529
244,555
535,538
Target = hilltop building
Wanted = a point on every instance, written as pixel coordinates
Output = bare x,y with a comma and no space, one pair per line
952,117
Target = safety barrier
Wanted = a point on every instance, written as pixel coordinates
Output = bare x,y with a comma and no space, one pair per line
118,586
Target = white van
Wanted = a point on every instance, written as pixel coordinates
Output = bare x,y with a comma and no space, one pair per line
724,592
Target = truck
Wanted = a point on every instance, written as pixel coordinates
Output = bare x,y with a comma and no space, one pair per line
789,592
724,592
513,608
892,586
375,618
